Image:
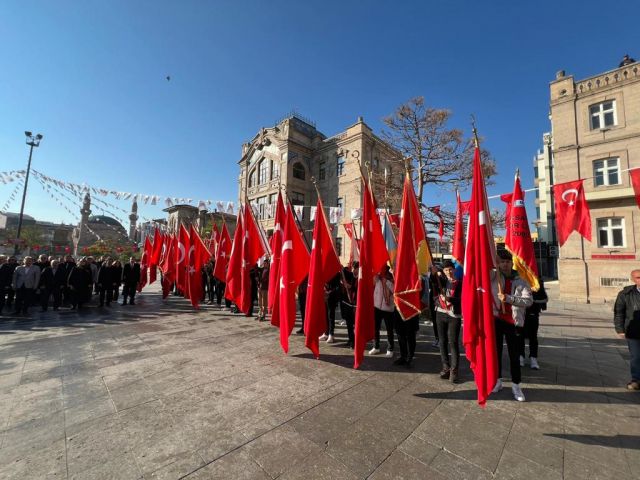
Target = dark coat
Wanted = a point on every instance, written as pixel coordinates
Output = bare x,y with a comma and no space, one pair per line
105,277
59,277
116,275
6,275
46,278
540,300
81,281
626,310
131,275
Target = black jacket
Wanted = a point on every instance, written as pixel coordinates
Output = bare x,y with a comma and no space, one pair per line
131,275
626,310
60,277
6,274
46,278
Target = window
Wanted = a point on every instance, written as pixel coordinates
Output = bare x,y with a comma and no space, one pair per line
298,171
339,166
252,179
273,200
262,172
375,164
261,203
606,172
610,232
535,172
275,169
339,246
603,114
297,198
322,170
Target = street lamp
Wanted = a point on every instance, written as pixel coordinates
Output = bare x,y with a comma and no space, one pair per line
32,142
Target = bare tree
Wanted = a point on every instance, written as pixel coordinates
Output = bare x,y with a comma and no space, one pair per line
441,156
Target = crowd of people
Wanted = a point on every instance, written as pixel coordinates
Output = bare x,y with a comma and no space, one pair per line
64,283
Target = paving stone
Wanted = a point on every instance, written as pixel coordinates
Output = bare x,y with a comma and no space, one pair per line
48,462
400,466
237,465
320,467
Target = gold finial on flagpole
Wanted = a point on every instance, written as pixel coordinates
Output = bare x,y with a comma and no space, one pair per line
475,131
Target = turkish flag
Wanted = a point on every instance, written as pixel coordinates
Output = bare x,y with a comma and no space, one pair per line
477,297
222,254
635,181
274,272
518,237
324,265
198,255
436,212
294,266
213,241
252,249
168,265
182,248
394,218
572,210
414,256
156,253
144,263
233,289
373,258
457,249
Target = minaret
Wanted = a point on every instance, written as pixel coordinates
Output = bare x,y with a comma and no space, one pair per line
133,218
80,232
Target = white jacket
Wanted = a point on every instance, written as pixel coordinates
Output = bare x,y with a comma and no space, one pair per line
22,278
378,296
520,297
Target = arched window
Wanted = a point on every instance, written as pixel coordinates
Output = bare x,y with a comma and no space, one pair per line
252,179
263,168
298,171
275,169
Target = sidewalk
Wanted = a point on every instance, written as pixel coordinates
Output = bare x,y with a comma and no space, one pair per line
160,391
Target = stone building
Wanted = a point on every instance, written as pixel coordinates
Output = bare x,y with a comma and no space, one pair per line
291,153
596,136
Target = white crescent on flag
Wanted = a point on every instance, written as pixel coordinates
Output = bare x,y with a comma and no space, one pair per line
181,253
575,193
288,245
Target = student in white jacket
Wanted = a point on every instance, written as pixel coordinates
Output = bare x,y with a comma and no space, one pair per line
383,310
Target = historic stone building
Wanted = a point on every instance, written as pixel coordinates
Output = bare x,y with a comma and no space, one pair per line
291,153
596,136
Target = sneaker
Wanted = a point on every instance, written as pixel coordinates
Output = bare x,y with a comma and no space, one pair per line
389,354
400,361
453,377
633,385
534,363
323,337
521,361
517,392
330,339
374,351
445,373
342,323
498,386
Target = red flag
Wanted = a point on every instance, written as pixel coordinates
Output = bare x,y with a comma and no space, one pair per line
373,258
294,266
182,247
635,181
213,241
572,210
518,238
198,255
144,263
457,249
252,249
222,254
414,256
436,212
156,253
233,289
274,272
394,218
477,297
169,265
324,265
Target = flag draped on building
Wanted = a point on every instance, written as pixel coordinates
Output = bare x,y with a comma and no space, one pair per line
414,256
572,210
477,297
518,238
274,271
323,266
635,181
373,258
222,255
294,266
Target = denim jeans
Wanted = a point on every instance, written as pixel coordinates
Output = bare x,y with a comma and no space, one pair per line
634,350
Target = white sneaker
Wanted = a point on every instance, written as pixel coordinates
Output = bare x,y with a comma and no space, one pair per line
374,351
534,363
323,337
521,361
498,386
389,354
517,392
343,323
330,339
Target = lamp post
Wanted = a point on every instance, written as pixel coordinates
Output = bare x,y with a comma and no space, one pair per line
32,142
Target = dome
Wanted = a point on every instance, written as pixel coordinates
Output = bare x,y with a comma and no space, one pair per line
103,219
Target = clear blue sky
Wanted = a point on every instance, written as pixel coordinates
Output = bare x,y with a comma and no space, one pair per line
90,76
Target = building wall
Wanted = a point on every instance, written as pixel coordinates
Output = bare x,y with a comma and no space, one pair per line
295,141
586,267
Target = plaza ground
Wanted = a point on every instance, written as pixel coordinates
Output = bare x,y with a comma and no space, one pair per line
157,390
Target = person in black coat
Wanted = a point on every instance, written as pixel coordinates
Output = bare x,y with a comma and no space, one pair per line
130,279
59,282
80,282
6,275
626,320
116,276
68,266
348,300
5,280
46,285
106,282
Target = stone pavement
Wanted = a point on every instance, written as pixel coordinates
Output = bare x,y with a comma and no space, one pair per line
157,390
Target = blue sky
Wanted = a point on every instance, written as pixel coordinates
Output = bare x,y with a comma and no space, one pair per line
90,76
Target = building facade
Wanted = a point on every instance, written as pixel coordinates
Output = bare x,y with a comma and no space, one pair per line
293,154
596,137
